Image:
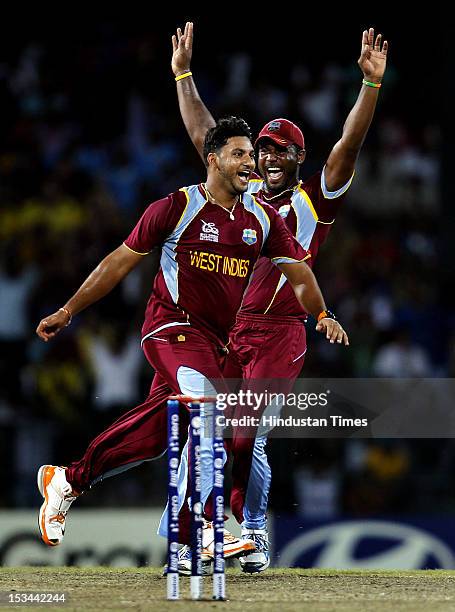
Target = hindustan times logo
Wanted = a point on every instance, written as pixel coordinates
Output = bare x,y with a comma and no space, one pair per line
255,401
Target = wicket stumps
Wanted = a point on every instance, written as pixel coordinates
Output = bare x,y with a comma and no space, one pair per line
196,584
219,580
173,500
195,498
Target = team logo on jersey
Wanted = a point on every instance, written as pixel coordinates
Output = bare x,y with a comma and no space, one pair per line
283,211
249,236
209,232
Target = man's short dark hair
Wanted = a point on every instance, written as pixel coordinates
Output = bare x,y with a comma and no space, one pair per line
226,128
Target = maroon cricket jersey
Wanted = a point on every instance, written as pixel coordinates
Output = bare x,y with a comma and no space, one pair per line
309,210
207,258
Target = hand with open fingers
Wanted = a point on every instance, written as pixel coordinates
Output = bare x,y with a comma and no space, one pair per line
50,326
333,331
182,46
373,56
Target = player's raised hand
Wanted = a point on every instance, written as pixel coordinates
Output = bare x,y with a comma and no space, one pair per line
182,46
333,331
373,56
50,326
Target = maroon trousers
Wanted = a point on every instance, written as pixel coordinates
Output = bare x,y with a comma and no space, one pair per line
141,433
138,435
261,348
181,360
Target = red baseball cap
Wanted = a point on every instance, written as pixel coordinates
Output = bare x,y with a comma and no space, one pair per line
283,132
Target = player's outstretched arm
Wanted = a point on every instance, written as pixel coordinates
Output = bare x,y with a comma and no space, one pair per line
99,283
196,116
341,161
307,291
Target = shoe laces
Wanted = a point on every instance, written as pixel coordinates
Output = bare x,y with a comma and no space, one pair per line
67,492
60,517
261,541
206,553
184,553
229,537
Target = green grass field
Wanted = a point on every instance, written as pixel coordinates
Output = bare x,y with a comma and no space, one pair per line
277,590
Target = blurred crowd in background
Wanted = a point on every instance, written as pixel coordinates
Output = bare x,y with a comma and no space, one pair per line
90,134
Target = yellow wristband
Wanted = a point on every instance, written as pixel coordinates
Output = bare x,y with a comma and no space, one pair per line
183,76
370,84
